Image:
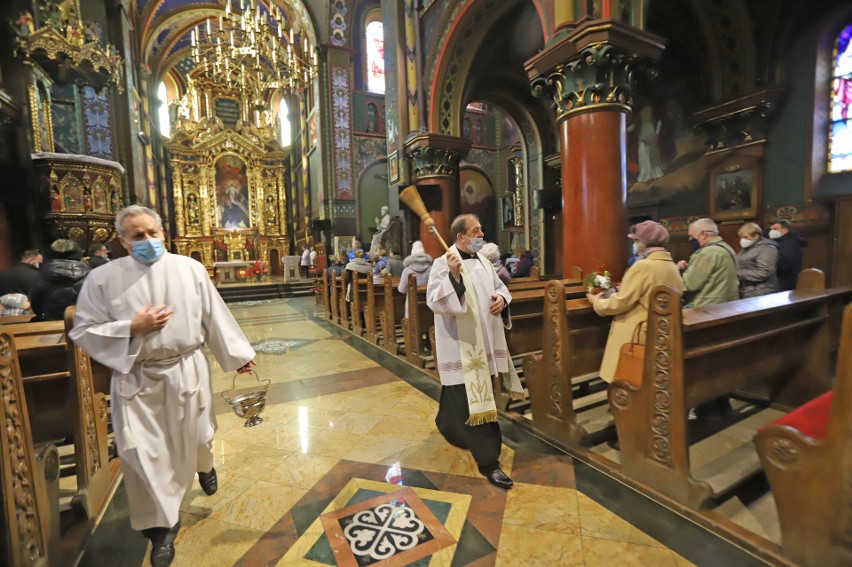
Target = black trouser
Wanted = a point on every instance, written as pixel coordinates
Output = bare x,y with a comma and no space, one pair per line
483,441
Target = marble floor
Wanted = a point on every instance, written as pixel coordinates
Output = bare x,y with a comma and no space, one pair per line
347,468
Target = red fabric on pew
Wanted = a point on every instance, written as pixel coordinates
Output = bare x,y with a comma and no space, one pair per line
810,419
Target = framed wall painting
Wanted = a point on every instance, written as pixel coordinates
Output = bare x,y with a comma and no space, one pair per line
736,188
393,167
343,245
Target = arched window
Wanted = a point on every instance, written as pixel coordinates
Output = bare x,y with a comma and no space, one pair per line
375,53
840,129
163,111
467,131
284,118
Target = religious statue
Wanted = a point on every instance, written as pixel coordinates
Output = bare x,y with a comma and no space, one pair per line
382,226
271,217
192,209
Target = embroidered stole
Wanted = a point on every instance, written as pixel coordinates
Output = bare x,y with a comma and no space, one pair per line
477,377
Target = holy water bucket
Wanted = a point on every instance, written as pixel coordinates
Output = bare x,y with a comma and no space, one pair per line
248,405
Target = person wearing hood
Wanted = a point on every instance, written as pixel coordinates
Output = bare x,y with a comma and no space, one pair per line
524,265
492,253
790,249
418,263
757,261
60,280
357,264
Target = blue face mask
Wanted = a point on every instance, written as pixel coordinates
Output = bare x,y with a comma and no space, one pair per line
635,248
475,244
147,251
695,244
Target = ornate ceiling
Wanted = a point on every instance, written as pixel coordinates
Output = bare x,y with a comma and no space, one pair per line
165,25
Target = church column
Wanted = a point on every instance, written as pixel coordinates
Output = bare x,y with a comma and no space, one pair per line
589,74
435,170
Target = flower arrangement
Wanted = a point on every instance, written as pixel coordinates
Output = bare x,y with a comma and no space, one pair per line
257,270
598,282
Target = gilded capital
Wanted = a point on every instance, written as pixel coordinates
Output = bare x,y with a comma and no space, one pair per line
594,66
435,155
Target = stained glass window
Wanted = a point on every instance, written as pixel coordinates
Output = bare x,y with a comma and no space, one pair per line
840,134
163,112
375,57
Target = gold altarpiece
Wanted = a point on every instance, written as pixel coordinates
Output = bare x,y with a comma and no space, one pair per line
228,182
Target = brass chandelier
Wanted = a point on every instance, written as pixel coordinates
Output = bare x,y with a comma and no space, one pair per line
253,52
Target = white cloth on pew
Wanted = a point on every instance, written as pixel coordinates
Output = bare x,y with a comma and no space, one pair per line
161,391
442,300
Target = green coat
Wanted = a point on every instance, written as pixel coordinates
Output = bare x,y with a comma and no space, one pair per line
629,305
711,276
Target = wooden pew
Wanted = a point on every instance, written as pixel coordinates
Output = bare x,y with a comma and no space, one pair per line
358,294
696,355
94,479
811,479
391,320
534,276
335,300
326,293
343,305
375,307
30,476
562,380
416,327
13,319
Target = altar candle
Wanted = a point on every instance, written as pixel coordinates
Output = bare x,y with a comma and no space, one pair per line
227,6
208,27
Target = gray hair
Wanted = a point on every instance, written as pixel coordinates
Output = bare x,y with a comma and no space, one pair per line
705,225
459,225
29,255
750,229
491,252
135,211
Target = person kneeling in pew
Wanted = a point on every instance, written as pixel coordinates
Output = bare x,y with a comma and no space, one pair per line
146,316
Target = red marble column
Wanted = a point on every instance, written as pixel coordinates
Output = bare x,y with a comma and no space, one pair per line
594,190
439,198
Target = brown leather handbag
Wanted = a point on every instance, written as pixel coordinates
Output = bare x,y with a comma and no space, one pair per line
631,359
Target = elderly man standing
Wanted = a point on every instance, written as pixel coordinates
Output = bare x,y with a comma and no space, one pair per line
709,277
146,316
471,314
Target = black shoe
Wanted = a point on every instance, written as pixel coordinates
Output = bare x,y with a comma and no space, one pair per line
499,479
209,482
162,556
714,409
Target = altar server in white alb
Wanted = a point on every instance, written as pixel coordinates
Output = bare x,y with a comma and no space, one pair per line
146,316
471,306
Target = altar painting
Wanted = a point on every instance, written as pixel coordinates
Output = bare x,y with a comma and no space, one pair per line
232,209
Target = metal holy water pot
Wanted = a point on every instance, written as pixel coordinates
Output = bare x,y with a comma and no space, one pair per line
248,405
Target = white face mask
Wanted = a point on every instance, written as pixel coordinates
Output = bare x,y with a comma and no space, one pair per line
746,242
775,234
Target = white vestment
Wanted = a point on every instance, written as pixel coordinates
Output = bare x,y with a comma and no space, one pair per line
442,300
162,409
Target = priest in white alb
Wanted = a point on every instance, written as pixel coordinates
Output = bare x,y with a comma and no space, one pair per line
471,306
146,316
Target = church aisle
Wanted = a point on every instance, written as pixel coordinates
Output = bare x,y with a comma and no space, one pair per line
348,445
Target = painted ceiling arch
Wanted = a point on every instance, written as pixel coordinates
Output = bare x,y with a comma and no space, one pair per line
165,26
454,66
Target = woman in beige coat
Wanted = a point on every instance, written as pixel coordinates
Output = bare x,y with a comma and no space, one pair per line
629,305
